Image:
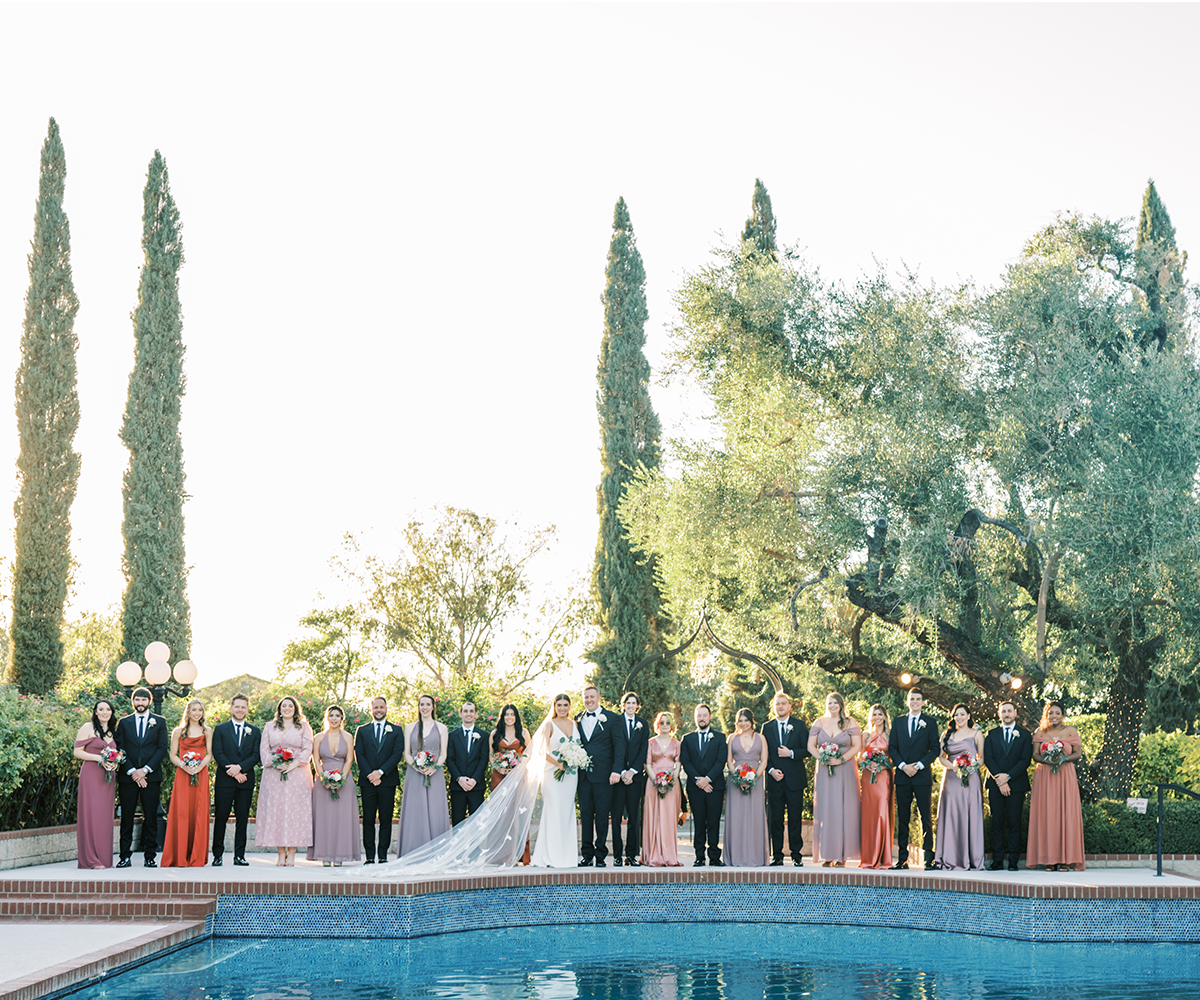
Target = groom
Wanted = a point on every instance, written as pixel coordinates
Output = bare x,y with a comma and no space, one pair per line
466,760
604,741
143,737
913,747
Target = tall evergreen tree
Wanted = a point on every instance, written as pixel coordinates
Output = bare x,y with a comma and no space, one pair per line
623,583
1159,271
155,605
760,227
47,417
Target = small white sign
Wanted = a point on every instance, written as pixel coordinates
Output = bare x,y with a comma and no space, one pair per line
1137,805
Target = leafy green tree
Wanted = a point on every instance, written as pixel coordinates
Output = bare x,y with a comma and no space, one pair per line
47,418
627,605
1160,264
91,652
333,661
760,227
155,605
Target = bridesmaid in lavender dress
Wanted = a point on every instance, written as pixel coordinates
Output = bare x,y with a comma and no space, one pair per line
746,812
284,817
837,810
960,807
424,809
335,821
97,788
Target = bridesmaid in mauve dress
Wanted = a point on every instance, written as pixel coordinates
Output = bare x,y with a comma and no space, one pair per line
746,812
284,817
424,809
97,794
1055,815
660,818
837,812
960,807
509,735
186,845
336,831
878,805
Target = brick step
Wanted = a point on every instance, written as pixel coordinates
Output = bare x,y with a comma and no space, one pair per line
14,907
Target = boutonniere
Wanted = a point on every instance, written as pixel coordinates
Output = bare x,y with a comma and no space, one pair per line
787,728
920,723
637,725
388,729
152,722
601,718
472,735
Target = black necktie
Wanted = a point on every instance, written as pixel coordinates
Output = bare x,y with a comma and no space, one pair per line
379,732
141,727
912,727
1007,735
238,727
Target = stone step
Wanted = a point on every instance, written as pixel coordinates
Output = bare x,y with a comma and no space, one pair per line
15,907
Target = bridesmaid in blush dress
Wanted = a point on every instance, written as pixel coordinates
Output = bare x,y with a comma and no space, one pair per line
837,812
1055,814
960,807
510,736
97,788
424,809
660,848
284,817
335,821
746,812
187,817
878,805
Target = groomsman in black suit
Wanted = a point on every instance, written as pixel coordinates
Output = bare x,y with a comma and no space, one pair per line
913,747
1007,752
787,750
378,747
630,793
466,761
235,747
702,759
604,740
143,737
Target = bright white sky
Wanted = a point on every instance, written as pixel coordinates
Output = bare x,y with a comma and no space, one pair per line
396,220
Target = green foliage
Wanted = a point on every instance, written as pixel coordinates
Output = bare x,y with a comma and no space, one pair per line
155,606
1111,827
91,653
47,418
38,772
760,227
333,660
1169,757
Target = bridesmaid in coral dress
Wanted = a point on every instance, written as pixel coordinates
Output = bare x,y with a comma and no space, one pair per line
660,842
1055,814
878,804
187,817
509,736
97,788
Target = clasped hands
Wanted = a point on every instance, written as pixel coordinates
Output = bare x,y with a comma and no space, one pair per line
235,771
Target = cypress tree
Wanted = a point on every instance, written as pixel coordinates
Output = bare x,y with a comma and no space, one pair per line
47,417
623,584
1159,264
759,248
760,227
155,605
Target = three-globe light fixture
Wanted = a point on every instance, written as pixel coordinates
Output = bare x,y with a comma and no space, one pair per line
158,674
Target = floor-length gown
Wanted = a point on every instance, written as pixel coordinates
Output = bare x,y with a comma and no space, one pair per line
746,812
188,815
97,798
660,816
336,833
519,748
878,807
284,816
557,844
424,809
1055,815
837,812
960,815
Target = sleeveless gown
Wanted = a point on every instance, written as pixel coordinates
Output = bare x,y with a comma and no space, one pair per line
660,817
878,807
187,817
960,816
1055,815
97,798
746,812
557,844
424,811
837,812
335,822
497,777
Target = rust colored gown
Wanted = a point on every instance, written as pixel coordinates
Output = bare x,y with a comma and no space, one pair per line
1055,815
878,809
187,817
497,777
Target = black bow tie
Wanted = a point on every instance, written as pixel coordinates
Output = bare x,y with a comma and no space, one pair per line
590,715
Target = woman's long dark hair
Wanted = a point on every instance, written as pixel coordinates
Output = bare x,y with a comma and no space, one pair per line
952,727
112,720
297,717
421,722
498,735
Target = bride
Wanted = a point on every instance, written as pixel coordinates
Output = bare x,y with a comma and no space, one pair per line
556,846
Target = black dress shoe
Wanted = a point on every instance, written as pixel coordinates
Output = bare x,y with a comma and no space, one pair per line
241,862
586,862
124,863
1012,866
617,862
698,863
599,862
216,861
777,863
716,864
632,863
149,863
798,862
996,866
932,866
899,866
369,861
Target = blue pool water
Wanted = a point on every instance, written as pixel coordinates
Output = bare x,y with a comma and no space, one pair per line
663,962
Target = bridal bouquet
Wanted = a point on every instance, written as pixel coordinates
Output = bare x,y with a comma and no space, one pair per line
879,758
191,759
966,767
425,758
505,760
827,753
110,755
663,781
280,758
333,780
1054,753
744,777
571,758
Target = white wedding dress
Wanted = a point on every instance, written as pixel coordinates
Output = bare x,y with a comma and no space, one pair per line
557,845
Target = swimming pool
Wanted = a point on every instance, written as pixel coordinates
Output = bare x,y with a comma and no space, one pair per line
660,961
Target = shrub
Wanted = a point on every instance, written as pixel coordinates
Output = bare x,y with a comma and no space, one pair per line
39,774
1111,827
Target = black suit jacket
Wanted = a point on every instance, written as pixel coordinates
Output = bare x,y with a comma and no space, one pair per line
707,764
226,751
149,752
1012,760
606,746
467,762
636,748
923,746
795,775
383,756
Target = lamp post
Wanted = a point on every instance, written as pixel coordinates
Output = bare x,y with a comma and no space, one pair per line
158,674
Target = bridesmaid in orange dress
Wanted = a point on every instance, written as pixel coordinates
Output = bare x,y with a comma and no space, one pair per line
187,817
660,846
1055,815
878,805
508,735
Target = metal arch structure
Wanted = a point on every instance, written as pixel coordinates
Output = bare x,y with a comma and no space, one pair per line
704,628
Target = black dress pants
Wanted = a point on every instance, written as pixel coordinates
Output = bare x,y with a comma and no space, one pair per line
235,797
130,795
377,801
595,807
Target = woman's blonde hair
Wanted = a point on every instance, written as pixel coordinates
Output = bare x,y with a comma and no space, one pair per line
186,721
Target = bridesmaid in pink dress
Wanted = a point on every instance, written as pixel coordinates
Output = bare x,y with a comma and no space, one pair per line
660,848
284,818
97,788
878,806
1055,813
